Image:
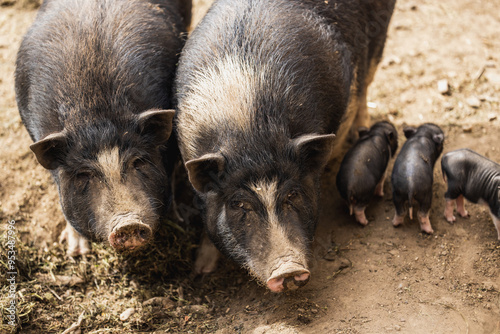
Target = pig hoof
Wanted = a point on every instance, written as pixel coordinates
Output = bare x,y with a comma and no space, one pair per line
397,221
427,229
363,222
379,192
463,213
450,219
360,216
206,261
77,245
130,236
288,281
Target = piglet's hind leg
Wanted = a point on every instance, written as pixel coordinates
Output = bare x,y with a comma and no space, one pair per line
448,211
425,223
496,221
461,207
359,213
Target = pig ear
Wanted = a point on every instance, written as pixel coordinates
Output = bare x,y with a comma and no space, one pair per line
391,135
438,138
204,172
409,131
157,124
362,131
51,150
314,150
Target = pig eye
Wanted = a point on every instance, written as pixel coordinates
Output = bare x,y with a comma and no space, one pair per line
139,164
291,195
237,204
82,179
240,205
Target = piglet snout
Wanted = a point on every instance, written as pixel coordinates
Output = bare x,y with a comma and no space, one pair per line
130,236
289,280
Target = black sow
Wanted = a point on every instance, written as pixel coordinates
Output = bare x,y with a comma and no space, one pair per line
262,87
93,78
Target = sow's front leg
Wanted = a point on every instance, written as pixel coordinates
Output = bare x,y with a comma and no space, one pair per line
77,244
206,258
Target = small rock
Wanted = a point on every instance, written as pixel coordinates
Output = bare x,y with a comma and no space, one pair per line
467,128
127,313
314,311
402,320
490,286
443,87
492,117
164,302
198,309
301,310
393,60
397,327
493,77
441,278
394,252
59,279
448,106
474,102
444,253
304,319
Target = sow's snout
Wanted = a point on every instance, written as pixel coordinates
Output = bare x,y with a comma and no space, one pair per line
289,276
130,235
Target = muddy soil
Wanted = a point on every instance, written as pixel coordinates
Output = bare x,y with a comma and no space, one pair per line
373,279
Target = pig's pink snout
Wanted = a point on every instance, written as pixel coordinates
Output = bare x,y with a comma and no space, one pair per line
288,281
130,236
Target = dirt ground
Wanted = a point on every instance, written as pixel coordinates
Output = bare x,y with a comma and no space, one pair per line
376,279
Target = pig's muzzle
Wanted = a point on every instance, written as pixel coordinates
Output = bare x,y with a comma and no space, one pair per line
130,235
289,276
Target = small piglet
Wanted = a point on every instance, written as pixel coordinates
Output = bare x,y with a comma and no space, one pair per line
470,175
363,169
412,175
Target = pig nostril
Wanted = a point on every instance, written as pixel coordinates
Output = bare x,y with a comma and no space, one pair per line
289,281
302,277
143,234
276,284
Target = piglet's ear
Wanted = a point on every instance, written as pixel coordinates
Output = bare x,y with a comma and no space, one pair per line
363,131
157,124
51,151
314,150
438,138
204,172
409,131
